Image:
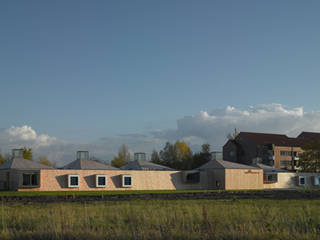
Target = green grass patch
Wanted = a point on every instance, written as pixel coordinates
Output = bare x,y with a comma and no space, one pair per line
160,219
115,192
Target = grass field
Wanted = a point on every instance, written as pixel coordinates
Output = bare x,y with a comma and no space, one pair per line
161,219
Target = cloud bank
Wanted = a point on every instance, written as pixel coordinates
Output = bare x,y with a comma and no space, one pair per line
204,127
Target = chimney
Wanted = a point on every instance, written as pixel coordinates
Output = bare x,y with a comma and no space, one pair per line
17,153
82,155
140,156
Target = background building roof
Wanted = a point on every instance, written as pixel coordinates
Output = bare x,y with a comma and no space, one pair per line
276,139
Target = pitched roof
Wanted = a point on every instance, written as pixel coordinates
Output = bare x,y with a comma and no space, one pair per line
88,164
145,165
309,136
221,164
270,138
23,164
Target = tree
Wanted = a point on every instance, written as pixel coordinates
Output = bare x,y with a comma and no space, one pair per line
203,157
234,135
177,156
205,148
155,157
309,160
123,157
27,153
2,159
184,155
45,161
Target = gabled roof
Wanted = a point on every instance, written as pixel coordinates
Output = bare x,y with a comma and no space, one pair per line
23,164
265,138
270,138
221,164
309,136
88,164
145,165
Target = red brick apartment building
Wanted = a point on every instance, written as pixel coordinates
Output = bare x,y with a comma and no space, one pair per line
276,150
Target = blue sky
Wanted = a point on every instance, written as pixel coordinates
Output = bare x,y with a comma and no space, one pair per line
84,70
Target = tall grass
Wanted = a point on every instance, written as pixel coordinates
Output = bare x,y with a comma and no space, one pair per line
160,219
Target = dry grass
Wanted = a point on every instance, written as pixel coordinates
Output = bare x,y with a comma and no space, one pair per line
161,219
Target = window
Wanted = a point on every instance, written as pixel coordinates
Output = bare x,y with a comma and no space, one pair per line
285,163
30,179
193,177
271,177
316,180
73,181
101,180
285,153
302,180
126,181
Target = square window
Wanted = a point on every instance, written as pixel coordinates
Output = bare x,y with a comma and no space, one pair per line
101,180
73,181
30,179
126,181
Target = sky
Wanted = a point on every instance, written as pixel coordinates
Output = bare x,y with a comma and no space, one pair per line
96,74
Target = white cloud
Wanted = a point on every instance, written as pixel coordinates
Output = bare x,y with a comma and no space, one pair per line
214,126
205,127
27,134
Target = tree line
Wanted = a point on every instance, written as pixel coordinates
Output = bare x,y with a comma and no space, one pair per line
176,155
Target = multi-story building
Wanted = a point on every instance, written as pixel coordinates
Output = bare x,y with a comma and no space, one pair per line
277,150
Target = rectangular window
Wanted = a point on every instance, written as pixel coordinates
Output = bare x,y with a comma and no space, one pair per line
285,153
316,180
285,163
101,180
30,179
271,177
73,180
193,177
126,181
302,180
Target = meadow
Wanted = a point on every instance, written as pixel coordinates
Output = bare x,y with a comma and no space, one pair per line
163,219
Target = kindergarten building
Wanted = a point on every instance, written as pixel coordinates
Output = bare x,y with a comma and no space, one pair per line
84,174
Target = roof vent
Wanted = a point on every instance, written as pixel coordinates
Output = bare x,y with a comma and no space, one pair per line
82,155
18,153
139,156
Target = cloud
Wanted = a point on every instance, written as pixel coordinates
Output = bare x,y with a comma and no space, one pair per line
213,127
204,127
25,134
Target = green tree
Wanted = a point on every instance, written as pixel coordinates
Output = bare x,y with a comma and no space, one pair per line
155,157
45,161
309,160
27,153
203,157
177,156
123,157
2,159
